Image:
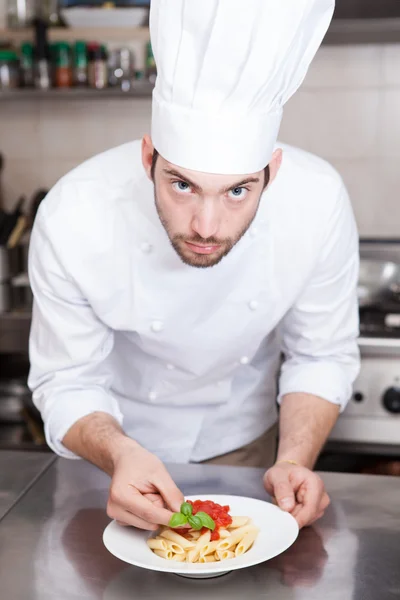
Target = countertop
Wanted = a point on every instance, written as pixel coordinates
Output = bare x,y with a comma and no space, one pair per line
18,471
51,543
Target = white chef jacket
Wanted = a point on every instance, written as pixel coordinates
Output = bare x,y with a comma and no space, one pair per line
186,358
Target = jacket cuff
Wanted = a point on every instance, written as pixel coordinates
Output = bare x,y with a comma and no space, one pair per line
325,379
69,409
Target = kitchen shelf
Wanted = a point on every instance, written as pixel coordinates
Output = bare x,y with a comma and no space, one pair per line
141,90
71,34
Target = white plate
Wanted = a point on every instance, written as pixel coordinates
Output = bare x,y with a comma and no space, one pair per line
278,531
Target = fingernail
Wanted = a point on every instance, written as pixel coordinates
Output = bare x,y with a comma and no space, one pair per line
286,503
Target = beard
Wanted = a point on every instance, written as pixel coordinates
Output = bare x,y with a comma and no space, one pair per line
201,261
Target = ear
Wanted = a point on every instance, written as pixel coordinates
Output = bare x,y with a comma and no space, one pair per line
147,154
275,164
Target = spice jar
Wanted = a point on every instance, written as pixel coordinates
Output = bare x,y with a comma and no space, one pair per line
80,64
121,69
63,68
9,71
151,68
97,68
26,64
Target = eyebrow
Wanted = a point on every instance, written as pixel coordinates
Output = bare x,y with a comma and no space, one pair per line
196,187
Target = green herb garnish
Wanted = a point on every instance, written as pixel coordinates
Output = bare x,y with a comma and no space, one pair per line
186,516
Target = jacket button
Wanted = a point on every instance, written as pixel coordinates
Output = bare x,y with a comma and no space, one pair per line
157,326
152,396
244,360
170,367
146,248
253,305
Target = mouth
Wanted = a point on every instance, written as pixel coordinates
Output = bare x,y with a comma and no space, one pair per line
199,249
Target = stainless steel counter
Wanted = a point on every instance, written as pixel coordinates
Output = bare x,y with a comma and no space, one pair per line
18,471
51,543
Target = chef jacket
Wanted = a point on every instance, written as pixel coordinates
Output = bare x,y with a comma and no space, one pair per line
186,358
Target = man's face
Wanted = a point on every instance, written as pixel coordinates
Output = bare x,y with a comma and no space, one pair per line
204,214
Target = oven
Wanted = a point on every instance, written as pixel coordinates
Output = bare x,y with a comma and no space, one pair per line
371,421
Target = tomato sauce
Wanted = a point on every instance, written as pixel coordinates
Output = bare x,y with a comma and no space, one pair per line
220,515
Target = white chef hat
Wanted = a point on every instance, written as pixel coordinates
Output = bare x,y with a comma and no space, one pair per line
225,70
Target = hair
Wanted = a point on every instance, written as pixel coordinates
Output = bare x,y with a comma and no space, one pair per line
267,173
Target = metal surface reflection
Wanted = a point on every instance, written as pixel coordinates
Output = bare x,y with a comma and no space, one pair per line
51,543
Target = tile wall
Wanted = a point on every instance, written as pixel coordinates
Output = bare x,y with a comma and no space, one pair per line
347,111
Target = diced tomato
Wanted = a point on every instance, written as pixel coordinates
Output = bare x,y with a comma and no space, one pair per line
220,515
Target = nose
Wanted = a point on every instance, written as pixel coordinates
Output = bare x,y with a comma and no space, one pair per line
206,220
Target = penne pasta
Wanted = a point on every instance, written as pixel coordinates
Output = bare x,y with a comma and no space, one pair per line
194,554
246,543
239,522
168,554
206,559
224,533
194,546
236,536
176,548
178,539
157,544
194,535
179,557
209,548
225,554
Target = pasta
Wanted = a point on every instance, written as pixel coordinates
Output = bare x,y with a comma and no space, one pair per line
225,542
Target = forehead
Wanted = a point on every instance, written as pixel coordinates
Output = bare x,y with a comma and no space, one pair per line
207,181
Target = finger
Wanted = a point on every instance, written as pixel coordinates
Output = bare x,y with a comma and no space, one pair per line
148,511
171,494
277,481
125,518
155,499
310,508
319,516
325,502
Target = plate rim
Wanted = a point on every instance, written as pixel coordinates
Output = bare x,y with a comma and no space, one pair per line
222,567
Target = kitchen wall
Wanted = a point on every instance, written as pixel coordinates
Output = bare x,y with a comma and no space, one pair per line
348,111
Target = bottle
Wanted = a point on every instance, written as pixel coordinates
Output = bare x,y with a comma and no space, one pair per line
42,57
151,68
20,13
121,69
26,64
48,10
97,69
80,64
9,75
63,68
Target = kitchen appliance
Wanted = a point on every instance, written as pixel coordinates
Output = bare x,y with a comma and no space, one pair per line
371,422
20,13
97,13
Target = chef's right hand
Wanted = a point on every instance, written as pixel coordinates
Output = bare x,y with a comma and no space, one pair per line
142,493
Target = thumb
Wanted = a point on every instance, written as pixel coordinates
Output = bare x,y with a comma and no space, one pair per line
282,489
171,494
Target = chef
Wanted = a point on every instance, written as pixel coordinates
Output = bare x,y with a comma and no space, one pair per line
171,275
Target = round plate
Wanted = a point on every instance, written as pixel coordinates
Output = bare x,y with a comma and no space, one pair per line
278,531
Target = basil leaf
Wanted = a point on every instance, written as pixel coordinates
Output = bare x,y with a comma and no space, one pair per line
187,509
206,520
177,520
195,522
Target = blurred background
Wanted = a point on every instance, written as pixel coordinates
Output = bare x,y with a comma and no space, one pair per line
76,78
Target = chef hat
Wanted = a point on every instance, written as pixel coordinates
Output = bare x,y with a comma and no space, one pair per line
225,70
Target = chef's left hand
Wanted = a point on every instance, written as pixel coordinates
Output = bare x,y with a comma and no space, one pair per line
297,490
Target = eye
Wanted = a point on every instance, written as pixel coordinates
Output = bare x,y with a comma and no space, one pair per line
238,193
181,186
